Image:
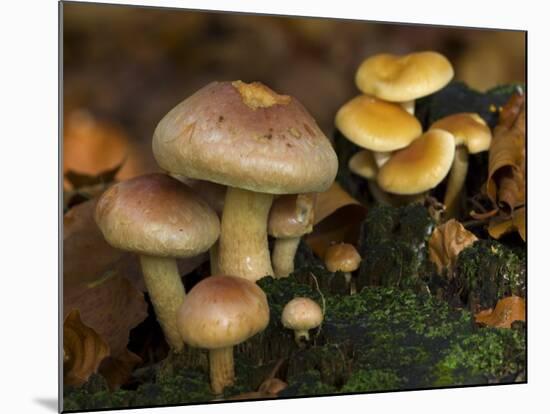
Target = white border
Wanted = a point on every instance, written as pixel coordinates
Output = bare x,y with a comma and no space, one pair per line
29,204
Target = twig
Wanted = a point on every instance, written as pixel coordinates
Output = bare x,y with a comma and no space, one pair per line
322,302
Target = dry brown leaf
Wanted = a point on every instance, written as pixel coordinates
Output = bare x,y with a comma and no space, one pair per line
518,218
118,370
446,243
499,226
87,257
337,219
92,147
111,307
272,386
83,350
507,310
506,181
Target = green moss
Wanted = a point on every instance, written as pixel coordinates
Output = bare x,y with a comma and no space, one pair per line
307,383
488,271
458,97
363,380
379,339
490,355
393,245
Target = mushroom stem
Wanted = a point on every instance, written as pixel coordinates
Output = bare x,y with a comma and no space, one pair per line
243,248
408,106
381,157
456,180
299,334
222,371
283,256
214,257
380,196
347,277
167,293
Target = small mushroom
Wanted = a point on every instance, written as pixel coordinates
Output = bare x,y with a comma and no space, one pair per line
379,126
472,135
405,78
219,313
420,166
301,315
290,218
257,143
343,257
161,219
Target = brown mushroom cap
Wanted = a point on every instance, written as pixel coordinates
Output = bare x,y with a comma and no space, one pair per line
156,215
342,257
291,215
363,163
420,166
403,78
377,125
302,314
246,136
469,129
222,311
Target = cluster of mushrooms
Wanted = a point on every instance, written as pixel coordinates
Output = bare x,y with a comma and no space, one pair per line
270,156
399,160
267,158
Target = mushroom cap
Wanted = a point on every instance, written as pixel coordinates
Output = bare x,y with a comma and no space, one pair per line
342,257
291,215
302,314
377,125
363,163
403,78
222,311
156,215
469,129
420,166
246,136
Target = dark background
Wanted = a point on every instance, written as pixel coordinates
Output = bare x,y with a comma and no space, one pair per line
125,67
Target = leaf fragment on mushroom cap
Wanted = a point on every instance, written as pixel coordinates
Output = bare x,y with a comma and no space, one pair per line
446,243
506,311
83,350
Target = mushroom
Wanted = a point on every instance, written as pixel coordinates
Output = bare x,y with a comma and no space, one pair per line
256,142
219,313
290,218
405,78
301,315
472,135
214,195
379,126
160,219
343,257
420,166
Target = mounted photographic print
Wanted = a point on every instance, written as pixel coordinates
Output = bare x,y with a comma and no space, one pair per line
266,207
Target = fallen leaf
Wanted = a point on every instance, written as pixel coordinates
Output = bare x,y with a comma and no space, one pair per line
253,395
506,311
111,306
83,350
518,218
272,386
87,257
337,218
118,370
446,243
506,180
499,226
92,147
